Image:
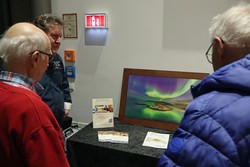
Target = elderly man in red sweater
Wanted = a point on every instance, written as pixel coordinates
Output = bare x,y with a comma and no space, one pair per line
30,134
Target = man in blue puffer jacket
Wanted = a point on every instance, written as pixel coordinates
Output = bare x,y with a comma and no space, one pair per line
215,130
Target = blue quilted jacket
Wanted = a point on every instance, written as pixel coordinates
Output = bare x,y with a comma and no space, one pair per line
215,130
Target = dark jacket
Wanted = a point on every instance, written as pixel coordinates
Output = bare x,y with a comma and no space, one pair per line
215,130
56,87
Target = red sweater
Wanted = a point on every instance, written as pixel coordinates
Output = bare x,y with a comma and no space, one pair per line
29,133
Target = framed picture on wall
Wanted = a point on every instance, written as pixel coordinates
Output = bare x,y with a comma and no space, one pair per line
156,98
70,25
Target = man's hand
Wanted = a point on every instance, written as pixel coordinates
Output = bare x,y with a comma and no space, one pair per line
66,112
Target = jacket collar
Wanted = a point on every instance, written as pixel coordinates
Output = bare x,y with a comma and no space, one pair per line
233,77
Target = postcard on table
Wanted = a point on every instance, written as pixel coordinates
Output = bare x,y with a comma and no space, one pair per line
113,136
156,140
102,112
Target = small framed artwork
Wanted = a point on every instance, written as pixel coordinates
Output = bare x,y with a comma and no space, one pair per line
70,25
156,98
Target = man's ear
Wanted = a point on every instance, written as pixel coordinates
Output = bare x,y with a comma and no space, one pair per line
218,47
34,58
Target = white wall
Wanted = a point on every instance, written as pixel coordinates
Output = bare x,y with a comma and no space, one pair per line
146,34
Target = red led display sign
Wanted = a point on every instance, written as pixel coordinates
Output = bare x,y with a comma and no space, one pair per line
95,21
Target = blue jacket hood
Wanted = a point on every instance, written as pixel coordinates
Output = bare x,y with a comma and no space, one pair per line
235,76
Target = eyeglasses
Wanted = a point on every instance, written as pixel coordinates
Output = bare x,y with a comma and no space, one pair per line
50,56
209,54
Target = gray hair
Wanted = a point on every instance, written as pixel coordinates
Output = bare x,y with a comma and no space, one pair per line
46,21
20,46
233,26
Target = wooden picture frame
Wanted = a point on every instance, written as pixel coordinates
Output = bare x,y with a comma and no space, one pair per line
151,97
70,25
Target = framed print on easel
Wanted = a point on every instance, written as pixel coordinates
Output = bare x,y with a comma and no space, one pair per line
156,98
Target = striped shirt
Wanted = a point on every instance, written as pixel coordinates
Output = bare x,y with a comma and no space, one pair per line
19,80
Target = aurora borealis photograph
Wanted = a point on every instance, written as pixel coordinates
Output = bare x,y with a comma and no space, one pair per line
158,98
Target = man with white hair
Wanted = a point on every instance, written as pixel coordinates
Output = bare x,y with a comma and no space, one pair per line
215,130
30,134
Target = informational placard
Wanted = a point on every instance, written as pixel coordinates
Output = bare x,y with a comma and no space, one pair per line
102,111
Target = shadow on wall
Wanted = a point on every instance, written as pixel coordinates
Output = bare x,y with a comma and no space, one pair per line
185,23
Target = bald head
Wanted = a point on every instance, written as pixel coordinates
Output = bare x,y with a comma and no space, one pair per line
24,29
18,45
